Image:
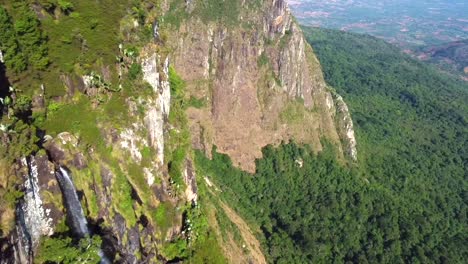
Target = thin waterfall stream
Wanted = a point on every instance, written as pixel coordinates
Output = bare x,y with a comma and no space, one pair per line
75,213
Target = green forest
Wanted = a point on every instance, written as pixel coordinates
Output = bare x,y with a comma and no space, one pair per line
406,199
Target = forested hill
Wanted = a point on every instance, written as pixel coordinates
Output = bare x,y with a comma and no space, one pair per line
411,124
406,112
451,57
405,202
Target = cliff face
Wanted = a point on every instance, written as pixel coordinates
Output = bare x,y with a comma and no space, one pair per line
259,80
122,134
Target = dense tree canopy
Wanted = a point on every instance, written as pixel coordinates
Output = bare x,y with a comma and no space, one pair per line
406,199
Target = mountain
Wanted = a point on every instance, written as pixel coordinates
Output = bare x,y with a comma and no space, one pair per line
402,202
452,57
106,103
209,131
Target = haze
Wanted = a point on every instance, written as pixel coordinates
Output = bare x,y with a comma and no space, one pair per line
406,23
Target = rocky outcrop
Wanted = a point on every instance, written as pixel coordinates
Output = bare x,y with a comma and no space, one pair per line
158,109
36,213
258,82
250,76
345,127
191,191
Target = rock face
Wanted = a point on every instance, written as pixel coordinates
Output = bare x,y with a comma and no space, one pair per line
254,81
346,128
159,108
250,75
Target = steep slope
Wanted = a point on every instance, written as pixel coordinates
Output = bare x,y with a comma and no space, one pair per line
250,68
452,57
411,125
98,129
404,202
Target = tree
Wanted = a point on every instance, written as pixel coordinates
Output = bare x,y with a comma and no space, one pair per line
65,6
13,57
31,39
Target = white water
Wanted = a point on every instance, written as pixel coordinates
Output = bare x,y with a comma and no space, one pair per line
33,220
74,209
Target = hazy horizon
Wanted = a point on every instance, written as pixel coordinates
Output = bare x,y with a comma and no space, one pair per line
403,22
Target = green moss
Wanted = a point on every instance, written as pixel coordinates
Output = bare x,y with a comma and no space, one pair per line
88,180
137,178
116,110
56,200
163,216
197,103
176,13
178,143
122,196
226,12
263,60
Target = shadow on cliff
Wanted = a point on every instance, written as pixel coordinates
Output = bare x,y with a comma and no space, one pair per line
4,84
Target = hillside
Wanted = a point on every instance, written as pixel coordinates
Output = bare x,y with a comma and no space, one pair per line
451,57
104,105
411,123
405,200
210,131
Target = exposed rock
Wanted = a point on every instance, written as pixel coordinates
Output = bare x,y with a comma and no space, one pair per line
73,83
158,110
277,18
345,126
156,30
38,102
130,141
246,101
49,189
79,161
191,192
59,148
32,215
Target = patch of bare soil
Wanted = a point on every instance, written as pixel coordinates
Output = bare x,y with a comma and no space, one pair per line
251,241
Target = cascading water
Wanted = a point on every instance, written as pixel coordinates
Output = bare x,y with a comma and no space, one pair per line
32,218
75,214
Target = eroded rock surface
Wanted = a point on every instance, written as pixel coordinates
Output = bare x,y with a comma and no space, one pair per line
249,75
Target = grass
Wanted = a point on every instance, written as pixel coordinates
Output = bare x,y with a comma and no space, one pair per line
220,11
263,60
137,178
163,216
122,196
293,112
82,41
78,118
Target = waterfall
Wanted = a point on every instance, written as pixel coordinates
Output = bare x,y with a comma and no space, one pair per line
32,219
75,213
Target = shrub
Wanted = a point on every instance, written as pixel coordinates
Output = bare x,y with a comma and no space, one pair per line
134,71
